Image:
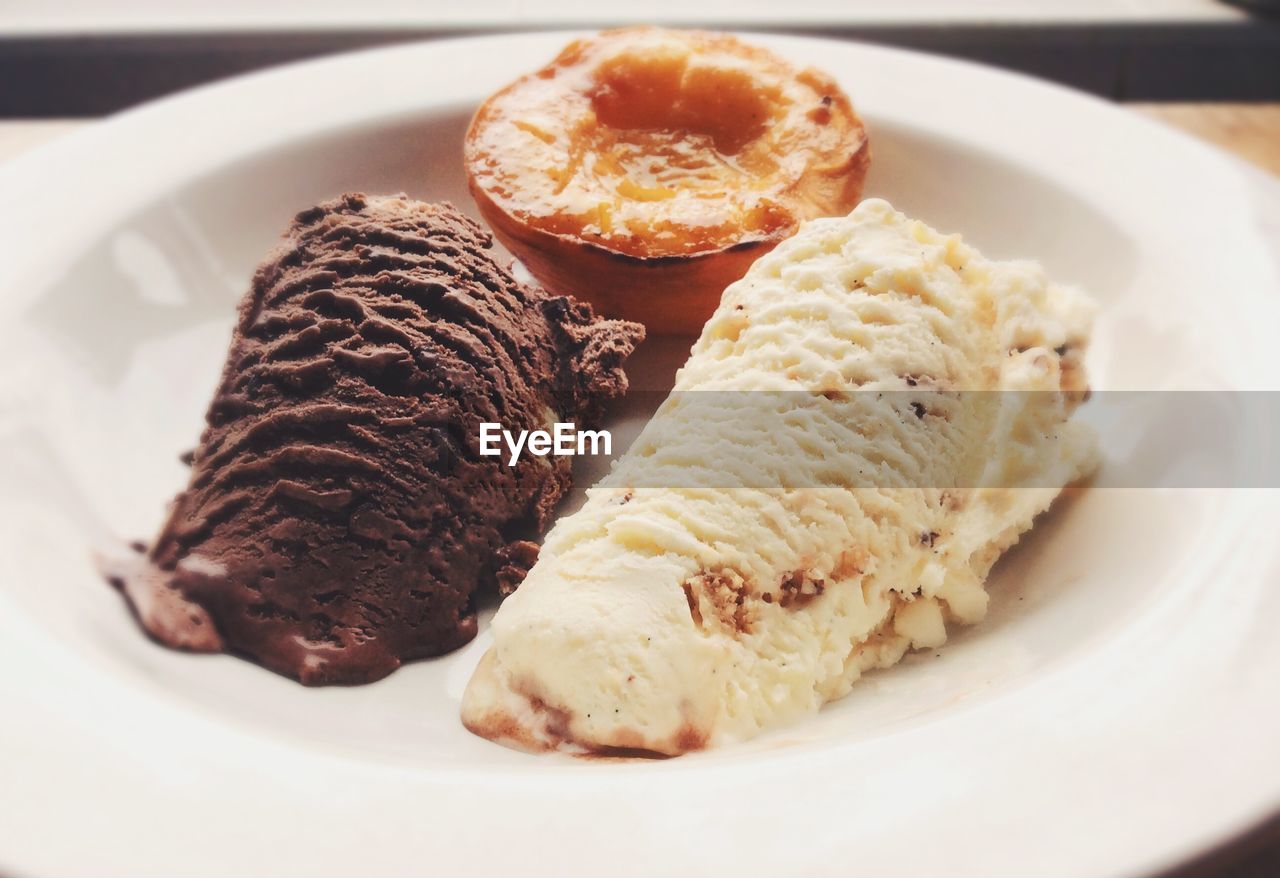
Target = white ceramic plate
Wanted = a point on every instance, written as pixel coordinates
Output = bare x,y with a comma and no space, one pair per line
1117,713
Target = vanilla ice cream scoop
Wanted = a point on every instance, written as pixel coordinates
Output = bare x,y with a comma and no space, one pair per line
873,414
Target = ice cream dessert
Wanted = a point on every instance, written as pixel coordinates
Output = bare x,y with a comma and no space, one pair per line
873,414
644,169
339,518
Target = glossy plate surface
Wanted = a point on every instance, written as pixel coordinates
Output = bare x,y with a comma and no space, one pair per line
1117,712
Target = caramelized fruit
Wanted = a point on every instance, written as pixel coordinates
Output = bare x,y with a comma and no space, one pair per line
645,169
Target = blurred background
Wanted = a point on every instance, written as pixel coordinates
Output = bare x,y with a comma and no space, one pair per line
86,57
1208,66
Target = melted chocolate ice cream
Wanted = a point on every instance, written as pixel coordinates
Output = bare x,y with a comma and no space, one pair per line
339,517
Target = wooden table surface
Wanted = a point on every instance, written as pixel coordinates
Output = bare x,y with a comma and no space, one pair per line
1251,131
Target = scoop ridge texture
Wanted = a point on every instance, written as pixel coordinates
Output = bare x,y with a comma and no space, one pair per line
339,517
752,554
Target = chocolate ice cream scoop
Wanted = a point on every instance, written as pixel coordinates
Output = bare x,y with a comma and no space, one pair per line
339,516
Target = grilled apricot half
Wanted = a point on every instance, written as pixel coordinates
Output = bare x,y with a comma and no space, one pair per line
644,169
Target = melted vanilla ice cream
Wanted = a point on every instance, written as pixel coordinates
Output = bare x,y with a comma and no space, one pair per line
887,412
